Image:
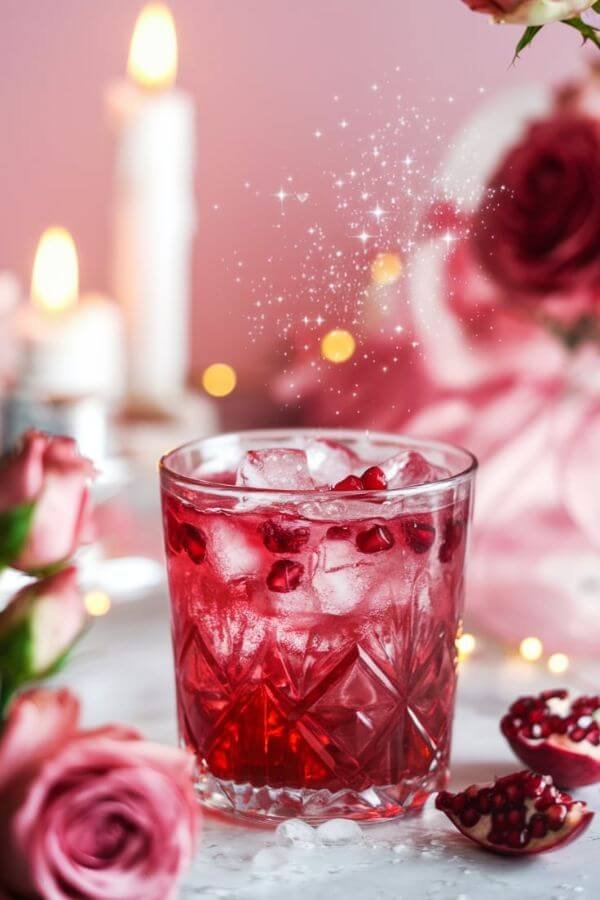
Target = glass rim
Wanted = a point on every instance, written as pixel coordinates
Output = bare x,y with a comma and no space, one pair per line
340,434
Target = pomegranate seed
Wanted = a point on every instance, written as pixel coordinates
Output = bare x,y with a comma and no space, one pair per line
483,801
284,576
374,539
496,837
500,821
469,817
338,533
517,839
538,826
577,735
193,542
419,535
172,532
498,800
443,800
556,815
516,818
279,539
374,479
514,793
458,803
350,483
453,532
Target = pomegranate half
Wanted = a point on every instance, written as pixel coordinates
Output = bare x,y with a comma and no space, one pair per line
517,815
551,733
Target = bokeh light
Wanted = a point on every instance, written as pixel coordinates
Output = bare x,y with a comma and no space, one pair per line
55,279
558,663
531,649
152,59
386,268
97,603
465,645
338,346
219,379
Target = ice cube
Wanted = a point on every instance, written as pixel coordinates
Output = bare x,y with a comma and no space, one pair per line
339,833
341,591
409,468
230,551
278,469
329,461
295,833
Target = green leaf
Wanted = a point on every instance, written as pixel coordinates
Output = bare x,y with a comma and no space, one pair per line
526,38
14,528
596,6
588,32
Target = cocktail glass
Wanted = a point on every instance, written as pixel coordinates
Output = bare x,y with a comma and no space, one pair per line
314,631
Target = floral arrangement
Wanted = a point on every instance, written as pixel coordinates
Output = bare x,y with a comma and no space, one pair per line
89,813
535,14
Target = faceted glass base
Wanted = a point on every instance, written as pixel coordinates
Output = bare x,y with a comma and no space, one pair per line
272,805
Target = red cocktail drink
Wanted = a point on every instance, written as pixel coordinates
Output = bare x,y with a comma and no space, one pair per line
316,584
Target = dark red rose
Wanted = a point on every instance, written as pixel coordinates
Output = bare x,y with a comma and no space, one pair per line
537,231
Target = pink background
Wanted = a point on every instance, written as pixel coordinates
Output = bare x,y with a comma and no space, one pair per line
263,73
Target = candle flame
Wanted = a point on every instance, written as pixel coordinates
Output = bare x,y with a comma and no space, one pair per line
152,59
55,279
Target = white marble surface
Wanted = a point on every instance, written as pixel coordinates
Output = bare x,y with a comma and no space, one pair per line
123,671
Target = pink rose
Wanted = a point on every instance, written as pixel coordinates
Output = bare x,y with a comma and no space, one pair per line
91,814
537,232
44,502
530,12
37,628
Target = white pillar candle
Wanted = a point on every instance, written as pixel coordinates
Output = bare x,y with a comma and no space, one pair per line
154,215
71,346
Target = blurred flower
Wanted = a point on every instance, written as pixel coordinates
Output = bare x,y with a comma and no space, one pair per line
91,814
37,629
530,12
537,232
44,502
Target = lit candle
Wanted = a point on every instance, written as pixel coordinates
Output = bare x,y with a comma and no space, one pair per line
154,215
72,346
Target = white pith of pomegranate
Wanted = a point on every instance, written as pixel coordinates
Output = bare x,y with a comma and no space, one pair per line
554,734
517,815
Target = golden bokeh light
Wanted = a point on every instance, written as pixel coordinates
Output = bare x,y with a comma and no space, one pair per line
97,603
55,278
558,663
465,646
531,649
152,59
386,268
338,346
219,379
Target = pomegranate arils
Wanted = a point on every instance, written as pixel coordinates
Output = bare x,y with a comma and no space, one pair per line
507,816
338,533
285,576
375,539
350,483
193,541
172,532
552,734
373,479
419,535
283,539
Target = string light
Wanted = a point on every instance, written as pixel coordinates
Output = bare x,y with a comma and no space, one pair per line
219,379
338,345
465,646
531,649
97,603
386,268
558,663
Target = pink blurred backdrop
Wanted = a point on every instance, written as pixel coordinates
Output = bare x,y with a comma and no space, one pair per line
263,75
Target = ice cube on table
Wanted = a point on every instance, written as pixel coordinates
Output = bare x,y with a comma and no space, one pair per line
329,461
339,833
409,468
280,468
295,833
230,551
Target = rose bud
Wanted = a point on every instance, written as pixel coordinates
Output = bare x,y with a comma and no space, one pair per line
38,627
45,512
96,814
530,12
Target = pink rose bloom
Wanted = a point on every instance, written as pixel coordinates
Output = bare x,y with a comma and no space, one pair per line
47,476
530,12
91,814
537,232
